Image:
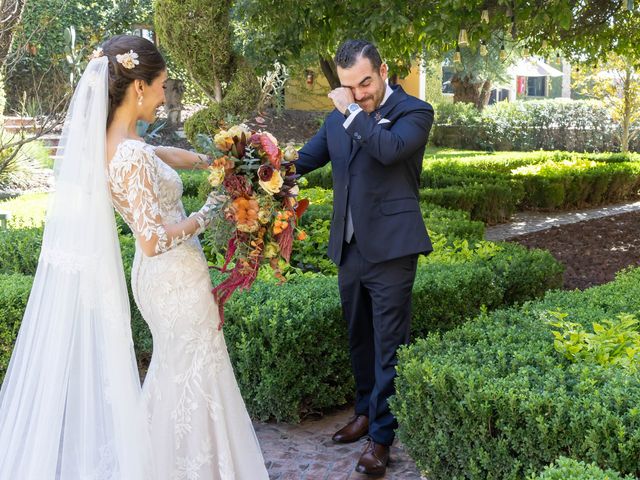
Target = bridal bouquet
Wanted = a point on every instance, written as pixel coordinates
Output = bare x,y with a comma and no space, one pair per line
260,181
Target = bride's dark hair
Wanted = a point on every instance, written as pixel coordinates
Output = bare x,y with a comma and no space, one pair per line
150,66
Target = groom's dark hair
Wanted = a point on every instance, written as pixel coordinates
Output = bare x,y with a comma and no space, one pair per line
350,50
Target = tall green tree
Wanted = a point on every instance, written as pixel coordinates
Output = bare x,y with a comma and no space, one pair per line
476,74
615,82
292,31
199,37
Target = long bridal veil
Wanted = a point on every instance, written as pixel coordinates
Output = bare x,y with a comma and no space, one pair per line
70,403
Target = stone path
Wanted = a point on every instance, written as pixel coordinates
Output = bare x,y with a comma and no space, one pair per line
528,222
306,452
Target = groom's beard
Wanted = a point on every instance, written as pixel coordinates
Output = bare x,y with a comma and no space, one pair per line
371,103
367,105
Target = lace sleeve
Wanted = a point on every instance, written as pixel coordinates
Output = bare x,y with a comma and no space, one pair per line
138,201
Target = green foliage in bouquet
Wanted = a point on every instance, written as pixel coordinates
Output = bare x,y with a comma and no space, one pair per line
494,400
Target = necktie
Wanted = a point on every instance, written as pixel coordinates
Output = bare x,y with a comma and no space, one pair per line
348,230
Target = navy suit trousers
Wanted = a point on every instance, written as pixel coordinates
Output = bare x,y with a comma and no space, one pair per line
376,302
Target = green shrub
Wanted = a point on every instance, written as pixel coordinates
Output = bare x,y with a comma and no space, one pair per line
492,399
14,293
277,334
613,341
492,187
20,249
491,202
191,180
288,345
321,177
577,183
206,122
191,204
569,469
556,124
451,223
525,274
446,290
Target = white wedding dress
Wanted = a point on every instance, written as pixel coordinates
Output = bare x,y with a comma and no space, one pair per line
199,426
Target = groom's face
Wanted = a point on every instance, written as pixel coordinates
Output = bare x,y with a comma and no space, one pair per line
367,84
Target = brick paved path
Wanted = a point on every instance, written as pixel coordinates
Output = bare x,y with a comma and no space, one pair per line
306,452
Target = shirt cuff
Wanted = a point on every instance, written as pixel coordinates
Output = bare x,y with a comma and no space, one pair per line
350,118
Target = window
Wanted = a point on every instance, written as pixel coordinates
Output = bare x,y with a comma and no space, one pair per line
537,86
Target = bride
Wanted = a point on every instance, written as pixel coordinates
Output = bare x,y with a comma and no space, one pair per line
71,406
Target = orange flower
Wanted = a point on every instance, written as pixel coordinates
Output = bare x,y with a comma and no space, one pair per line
246,214
302,236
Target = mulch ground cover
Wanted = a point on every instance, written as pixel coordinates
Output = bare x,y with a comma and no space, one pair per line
591,251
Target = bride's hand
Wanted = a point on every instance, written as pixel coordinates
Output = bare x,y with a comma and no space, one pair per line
215,199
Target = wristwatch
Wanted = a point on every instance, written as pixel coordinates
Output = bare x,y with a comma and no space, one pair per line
351,108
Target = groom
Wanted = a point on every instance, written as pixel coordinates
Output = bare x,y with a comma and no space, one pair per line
375,140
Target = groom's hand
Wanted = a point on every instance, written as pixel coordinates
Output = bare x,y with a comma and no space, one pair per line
341,97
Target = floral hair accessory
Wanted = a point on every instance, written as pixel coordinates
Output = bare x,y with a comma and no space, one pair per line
128,60
97,53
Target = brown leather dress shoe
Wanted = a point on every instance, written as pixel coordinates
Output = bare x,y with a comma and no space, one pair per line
357,428
374,459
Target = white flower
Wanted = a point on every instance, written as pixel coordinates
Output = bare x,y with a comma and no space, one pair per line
290,153
238,130
97,53
128,60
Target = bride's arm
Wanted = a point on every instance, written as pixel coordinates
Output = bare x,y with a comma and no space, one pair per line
179,158
138,180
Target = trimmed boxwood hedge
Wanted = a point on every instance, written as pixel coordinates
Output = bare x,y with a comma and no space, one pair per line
492,399
14,293
288,343
492,187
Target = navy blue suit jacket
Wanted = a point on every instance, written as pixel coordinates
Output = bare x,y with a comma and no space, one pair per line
376,168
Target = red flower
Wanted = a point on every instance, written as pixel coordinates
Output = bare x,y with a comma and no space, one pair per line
271,150
265,172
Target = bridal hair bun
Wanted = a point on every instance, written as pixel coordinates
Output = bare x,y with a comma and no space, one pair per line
128,60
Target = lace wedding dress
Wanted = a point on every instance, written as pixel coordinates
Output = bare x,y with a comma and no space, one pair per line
198,421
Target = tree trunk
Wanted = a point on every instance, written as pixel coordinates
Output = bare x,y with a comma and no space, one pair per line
485,94
626,119
173,104
10,14
466,91
328,67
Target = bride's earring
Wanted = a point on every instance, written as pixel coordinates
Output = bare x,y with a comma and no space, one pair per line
140,100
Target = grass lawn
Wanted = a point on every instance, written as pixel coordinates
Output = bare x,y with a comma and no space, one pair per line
26,210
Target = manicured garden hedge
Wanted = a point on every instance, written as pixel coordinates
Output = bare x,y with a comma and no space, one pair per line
494,400
556,124
492,187
288,343
14,293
